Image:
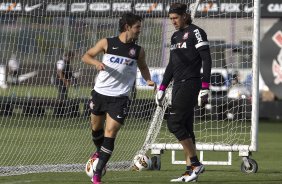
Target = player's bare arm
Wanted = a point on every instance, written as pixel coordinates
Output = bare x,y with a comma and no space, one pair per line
90,56
144,68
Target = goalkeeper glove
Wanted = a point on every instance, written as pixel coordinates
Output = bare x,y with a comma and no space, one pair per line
204,96
160,96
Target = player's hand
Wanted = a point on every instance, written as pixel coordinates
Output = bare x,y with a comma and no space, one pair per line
204,97
100,66
160,97
152,83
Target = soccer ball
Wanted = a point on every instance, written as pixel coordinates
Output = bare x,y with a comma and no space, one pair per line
91,165
141,162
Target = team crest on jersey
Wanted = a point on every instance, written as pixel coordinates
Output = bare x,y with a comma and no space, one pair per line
185,36
132,52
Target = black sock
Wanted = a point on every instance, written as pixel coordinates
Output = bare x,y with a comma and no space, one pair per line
195,161
188,167
98,138
105,153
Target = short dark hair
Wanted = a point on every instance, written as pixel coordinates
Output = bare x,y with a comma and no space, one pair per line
180,9
129,19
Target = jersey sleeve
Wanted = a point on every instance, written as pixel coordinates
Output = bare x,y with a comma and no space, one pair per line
207,63
168,74
60,65
202,45
200,39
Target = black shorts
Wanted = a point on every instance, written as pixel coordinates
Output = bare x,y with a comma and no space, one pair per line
184,99
116,107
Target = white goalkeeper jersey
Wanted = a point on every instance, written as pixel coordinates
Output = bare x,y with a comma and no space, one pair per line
119,75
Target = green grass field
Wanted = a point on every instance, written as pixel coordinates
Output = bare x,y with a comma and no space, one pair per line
52,92
268,157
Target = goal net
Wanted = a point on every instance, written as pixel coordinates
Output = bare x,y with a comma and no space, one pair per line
41,133
228,123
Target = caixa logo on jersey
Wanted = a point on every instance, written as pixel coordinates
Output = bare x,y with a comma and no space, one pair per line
123,61
180,45
271,59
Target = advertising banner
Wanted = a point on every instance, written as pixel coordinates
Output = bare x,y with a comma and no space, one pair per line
150,8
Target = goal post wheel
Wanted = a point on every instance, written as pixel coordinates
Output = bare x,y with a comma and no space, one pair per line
156,162
250,167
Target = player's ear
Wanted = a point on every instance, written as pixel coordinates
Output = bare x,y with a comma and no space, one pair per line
127,27
185,16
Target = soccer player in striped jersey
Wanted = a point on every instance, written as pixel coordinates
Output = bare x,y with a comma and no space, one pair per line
117,73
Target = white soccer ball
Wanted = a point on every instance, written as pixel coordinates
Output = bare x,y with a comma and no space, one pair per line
141,162
91,165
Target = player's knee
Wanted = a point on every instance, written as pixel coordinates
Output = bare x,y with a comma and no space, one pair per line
95,126
111,131
176,129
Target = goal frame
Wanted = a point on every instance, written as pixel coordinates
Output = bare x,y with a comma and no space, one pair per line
244,150
149,126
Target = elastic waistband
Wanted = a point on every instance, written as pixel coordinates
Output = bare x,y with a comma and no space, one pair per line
185,80
109,97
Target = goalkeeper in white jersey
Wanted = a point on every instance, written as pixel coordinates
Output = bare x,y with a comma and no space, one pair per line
117,73
189,52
